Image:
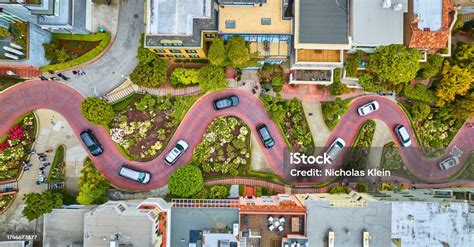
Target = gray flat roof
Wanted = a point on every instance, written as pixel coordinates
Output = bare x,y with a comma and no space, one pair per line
63,227
348,224
323,22
373,25
179,25
183,220
133,226
431,223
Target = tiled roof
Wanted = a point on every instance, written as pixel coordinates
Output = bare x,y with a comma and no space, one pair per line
430,39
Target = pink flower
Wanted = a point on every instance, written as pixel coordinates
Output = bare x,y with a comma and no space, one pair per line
4,146
16,132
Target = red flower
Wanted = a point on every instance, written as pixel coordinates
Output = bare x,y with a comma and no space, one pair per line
4,146
16,132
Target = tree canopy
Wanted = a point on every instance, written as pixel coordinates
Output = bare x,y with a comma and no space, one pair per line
455,81
37,204
217,53
431,67
97,111
92,185
151,69
238,52
212,77
395,64
463,107
186,181
182,76
464,56
366,81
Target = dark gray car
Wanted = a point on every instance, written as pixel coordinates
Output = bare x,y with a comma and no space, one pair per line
226,102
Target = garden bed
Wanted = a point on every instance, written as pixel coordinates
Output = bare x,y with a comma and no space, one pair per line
359,153
7,81
290,116
143,125
14,146
467,171
225,148
79,48
5,202
434,131
57,172
333,111
392,162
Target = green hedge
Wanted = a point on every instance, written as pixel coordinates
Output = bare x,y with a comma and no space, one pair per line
104,39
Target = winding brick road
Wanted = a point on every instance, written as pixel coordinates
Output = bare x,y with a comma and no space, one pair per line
65,100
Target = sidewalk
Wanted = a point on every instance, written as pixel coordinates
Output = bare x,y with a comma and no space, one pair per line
318,128
382,136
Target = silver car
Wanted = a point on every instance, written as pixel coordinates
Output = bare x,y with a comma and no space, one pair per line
176,152
449,162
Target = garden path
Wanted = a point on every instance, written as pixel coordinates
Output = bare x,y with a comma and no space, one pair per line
51,95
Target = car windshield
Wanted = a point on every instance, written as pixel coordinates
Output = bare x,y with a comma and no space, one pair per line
141,177
178,148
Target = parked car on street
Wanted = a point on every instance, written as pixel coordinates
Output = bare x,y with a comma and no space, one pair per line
91,142
449,162
134,174
226,102
335,149
176,152
264,134
368,108
403,135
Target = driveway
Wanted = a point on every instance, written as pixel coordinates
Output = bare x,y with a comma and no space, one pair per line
65,100
119,61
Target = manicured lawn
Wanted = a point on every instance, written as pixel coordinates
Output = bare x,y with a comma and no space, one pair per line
56,174
143,125
7,81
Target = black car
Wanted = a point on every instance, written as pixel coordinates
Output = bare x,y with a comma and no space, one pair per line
223,103
91,142
265,135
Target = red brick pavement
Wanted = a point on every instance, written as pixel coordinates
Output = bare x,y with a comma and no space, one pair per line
23,71
59,97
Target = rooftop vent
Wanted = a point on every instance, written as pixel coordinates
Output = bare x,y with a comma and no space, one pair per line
386,4
397,7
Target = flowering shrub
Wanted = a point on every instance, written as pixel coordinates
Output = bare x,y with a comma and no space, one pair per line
16,132
4,146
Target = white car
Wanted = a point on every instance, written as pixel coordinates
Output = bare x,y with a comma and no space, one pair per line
403,136
449,162
368,108
335,149
176,152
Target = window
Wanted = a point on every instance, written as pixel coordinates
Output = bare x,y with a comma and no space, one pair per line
194,56
266,21
161,55
179,56
210,35
160,51
175,51
230,24
191,51
169,55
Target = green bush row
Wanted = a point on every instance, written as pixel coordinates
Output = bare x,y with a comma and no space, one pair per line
104,42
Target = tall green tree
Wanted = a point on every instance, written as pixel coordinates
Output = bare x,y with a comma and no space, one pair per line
151,69
186,181
463,107
183,77
212,77
464,56
431,67
37,204
455,81
97,111
92,185
238,52
217,53
395,64
366,81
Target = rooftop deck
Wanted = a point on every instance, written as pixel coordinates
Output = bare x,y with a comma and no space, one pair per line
248,18
325,56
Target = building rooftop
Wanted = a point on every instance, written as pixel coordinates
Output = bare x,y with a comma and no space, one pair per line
250,19
348,224
182,20
373,25
322,22
102,224
431,27
186,223
64,226
430,224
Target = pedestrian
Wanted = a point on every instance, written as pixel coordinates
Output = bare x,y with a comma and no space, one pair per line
74,72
